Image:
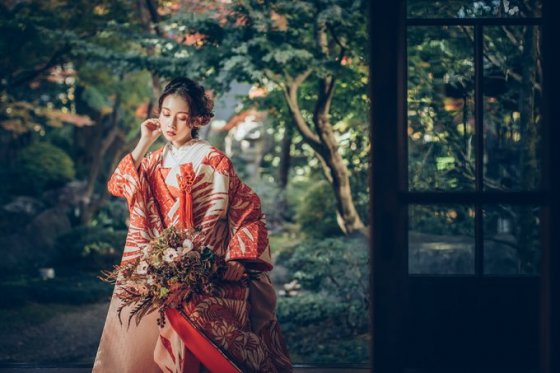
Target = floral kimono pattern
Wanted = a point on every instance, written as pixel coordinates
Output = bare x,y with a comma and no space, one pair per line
234,331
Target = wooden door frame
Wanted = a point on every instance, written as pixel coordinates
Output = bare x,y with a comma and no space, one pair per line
388,265
388,274
550,275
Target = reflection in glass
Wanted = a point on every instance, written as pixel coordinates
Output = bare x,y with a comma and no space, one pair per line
511,240
512,116
473,8
440,108
441,239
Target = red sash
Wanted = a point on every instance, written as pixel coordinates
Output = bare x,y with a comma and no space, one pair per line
203,349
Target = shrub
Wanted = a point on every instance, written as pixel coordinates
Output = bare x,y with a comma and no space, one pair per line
316,213
91,247
75,288
113,214
44,166
327,321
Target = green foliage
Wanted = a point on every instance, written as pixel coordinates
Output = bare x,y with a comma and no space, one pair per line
44,166
269,193
112,215
440,141
41,39
442,220
65,288
337,266
327,321
316,213
61,290
90,247
468,9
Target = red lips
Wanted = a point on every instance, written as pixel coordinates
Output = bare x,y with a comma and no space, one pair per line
170,133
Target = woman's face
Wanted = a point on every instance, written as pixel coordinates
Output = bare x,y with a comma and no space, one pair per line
175,119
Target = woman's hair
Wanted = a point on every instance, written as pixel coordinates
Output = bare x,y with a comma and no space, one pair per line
200,105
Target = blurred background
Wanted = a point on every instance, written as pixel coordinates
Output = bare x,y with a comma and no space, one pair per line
77,78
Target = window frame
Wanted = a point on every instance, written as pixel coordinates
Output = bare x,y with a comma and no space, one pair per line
389,197
478,198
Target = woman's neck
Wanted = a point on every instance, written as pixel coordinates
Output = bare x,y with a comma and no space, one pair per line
178,144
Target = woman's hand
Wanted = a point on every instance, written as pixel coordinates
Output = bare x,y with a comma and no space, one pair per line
150,130
234,271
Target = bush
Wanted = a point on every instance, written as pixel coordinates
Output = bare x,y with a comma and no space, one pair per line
75,288
113,214
91,247
316,213
44,166
270,196
327,321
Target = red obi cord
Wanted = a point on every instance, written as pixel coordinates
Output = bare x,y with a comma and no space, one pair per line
210,355
186,180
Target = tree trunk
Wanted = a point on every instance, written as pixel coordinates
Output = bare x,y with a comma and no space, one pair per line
109,130
322,139
283,172
325,146
285,156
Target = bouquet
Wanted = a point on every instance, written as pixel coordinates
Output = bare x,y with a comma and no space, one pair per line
172,268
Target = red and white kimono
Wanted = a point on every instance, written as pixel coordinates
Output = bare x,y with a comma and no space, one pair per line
235,331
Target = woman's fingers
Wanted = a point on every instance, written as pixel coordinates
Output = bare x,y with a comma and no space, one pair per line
152,124
151,128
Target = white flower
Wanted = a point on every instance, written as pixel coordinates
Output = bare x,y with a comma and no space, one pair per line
169,255
188,245
146,250
150,280
142,268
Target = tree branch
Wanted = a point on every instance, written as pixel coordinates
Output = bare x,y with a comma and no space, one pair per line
30,75
290,91
152,9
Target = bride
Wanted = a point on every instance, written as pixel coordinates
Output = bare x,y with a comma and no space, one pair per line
190,183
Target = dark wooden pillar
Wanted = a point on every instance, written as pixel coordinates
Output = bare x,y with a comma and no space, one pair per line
550,280
388,275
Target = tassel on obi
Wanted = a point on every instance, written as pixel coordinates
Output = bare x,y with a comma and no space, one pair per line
186,180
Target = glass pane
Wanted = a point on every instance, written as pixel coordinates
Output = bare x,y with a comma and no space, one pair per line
473,9
441,239
440,108
512,115
511,240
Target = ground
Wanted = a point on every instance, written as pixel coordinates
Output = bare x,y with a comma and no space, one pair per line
76,331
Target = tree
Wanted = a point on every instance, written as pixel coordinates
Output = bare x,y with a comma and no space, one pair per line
73,63
306,48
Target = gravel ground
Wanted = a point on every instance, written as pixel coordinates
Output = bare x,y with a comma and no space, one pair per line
71,338
68,337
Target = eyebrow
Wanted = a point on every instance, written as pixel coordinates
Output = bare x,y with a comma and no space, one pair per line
184,112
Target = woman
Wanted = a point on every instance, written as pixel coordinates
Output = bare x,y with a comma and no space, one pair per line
188,182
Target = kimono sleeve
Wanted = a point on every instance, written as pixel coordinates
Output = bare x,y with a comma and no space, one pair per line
125,180
248,241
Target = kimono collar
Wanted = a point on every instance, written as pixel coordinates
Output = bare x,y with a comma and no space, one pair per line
176,150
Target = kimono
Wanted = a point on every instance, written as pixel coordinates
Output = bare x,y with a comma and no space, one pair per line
233,331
